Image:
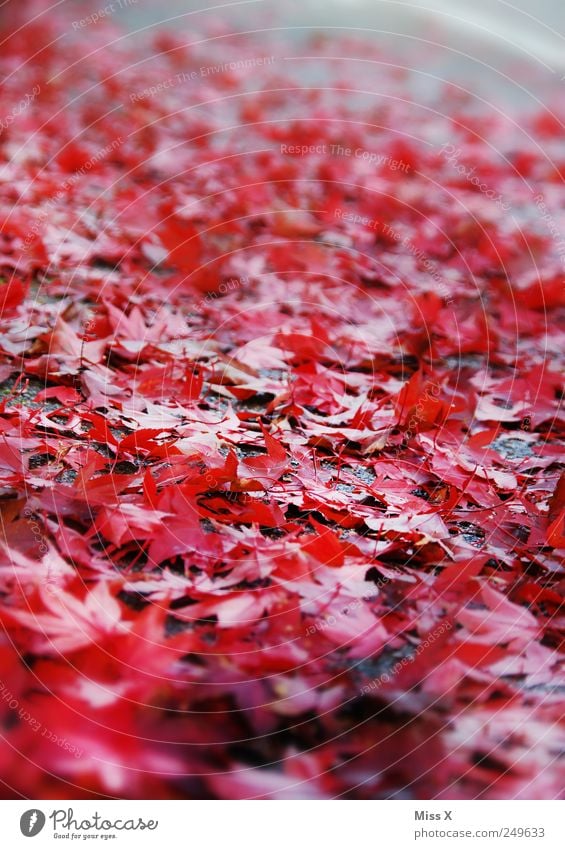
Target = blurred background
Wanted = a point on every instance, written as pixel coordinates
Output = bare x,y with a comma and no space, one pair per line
512,51
506,53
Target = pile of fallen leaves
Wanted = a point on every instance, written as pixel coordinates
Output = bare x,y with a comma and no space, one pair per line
280,490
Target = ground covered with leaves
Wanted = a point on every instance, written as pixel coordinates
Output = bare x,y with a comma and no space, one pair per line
280,415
